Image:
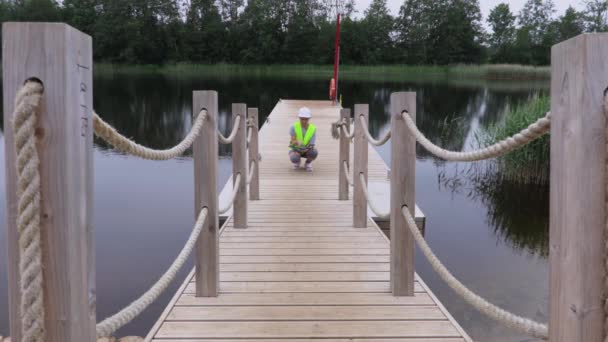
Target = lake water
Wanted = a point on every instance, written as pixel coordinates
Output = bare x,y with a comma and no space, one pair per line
492,235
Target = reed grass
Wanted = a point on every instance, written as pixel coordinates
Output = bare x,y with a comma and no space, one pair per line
529,164
347,72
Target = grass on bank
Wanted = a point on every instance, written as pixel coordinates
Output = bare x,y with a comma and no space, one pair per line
529,164
347,72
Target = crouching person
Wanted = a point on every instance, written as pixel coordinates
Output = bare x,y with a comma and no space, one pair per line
303,137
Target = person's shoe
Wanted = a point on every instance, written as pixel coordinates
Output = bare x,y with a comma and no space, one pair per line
309,167
295,166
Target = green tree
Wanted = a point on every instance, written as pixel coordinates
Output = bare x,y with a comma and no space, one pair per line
81,14
502,23
204,33
596,15
36,10
378,26
413,31
457,34
535,17
570,24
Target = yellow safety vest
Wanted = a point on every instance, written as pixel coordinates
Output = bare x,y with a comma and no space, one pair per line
309,133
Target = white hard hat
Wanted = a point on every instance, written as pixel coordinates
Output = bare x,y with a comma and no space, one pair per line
304,112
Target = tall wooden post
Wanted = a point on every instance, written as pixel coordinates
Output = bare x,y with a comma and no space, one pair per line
579,77
254,186
403,186
61,57
360,166
239,165
205,152
343,186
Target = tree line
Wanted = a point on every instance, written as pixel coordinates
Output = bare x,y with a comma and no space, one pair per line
302,31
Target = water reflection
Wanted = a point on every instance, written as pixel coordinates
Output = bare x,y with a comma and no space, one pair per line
506,223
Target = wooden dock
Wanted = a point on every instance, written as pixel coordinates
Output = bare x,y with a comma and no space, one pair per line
300,271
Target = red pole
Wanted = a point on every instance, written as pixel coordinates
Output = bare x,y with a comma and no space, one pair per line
337,55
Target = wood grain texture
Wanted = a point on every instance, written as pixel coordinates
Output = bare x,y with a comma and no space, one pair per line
579,76
253,151
360,167
403,185
343,185
239,165
61,57
205,151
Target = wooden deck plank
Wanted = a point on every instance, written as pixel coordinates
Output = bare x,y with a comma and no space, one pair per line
427,339
300,272
304,313
304,329
305,276
302,286
274,299
310,267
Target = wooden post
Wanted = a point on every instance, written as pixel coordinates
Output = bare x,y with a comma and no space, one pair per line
579,76
343,186
254,186
205,152
239,165
403,186
360,166
61,57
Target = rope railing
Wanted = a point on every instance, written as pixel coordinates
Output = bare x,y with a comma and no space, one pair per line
371,139
27,103
372,205
522,324
527,135
249,134
109,325
348,135
235,128
252,167
235,191
347,173
109,134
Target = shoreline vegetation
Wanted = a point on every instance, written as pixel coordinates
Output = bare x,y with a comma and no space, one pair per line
483,72
529,164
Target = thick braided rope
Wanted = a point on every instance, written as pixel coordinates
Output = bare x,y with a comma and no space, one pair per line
371,139
527,135
109,325
27,103
369,201
252,166
235,190
606,226
235,128
522,324
108,133
249,133
347,173
348,135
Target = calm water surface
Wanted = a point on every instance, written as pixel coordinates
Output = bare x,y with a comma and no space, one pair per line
492,235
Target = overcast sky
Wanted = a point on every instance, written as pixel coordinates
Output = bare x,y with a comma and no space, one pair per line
486,6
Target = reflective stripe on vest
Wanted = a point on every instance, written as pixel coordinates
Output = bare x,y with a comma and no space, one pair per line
309,133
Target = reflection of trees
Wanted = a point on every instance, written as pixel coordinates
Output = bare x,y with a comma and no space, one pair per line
517,211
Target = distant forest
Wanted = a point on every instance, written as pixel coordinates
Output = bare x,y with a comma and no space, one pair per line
425,32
